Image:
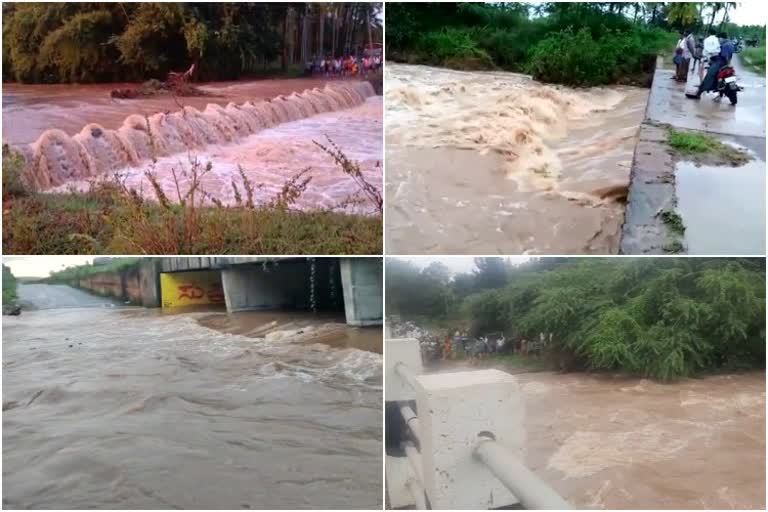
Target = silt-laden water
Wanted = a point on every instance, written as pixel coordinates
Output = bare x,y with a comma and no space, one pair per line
131,408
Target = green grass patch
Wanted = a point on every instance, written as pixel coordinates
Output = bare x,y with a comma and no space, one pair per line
754,57
9,286
519,361
688,142
703,145
673,221
673,247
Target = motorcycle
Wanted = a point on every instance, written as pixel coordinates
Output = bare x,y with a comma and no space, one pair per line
727,85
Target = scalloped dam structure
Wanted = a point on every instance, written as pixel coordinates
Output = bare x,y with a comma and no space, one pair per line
57,159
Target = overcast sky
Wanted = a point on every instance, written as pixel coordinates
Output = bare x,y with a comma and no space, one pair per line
41,266
749,13
457,264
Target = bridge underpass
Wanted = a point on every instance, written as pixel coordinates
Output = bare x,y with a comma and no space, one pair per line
349,285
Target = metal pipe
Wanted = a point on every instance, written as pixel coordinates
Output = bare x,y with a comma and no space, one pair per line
417,492
411,420
532,492
405,373
414,458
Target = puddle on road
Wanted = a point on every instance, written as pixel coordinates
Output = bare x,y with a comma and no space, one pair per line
134,409
723,208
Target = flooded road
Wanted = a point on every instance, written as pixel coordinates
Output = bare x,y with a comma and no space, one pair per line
723,208
266,128
504,164
139,409
627,443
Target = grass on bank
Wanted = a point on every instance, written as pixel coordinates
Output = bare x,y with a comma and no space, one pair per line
9,286
701,144
110,218
754,57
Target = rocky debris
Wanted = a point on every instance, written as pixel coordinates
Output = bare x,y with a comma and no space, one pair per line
11,309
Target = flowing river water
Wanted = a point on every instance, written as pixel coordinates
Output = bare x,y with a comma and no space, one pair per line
72,136
130,408
502,164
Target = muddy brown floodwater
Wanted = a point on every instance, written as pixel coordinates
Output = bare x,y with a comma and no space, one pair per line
626,443
73,136
502,164
132,408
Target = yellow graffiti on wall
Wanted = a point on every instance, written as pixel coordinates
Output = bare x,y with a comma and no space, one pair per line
191,289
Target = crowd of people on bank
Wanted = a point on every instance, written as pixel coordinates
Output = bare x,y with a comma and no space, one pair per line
341,67
698,60
460,346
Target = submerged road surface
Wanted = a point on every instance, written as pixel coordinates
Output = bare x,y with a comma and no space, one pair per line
131,408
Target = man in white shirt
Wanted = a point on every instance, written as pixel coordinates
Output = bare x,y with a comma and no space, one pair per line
711,49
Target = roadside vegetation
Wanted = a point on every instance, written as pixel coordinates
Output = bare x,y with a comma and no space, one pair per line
111,218
570,43
697,144
77,272
578,44
662,318
9,286
129,42
755,57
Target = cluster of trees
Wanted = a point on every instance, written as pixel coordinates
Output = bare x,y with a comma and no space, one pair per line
100,41
657,317
583,43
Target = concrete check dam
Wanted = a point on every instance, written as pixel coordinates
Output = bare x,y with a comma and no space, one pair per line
269,140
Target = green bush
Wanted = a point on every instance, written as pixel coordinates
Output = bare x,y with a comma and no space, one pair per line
662,318
453,46
9,286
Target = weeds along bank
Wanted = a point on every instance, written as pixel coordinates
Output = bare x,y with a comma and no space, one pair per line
657,317
109,218
135,190
573,44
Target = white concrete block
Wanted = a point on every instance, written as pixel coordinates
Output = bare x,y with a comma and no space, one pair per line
398,471
408,352
453,408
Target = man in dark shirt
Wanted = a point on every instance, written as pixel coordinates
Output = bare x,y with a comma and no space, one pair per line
727,48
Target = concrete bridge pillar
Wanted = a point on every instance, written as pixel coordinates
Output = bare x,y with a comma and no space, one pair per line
361,280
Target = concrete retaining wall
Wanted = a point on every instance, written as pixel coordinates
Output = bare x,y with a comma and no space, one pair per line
138,285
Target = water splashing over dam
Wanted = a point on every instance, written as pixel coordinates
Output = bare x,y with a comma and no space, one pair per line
56,158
